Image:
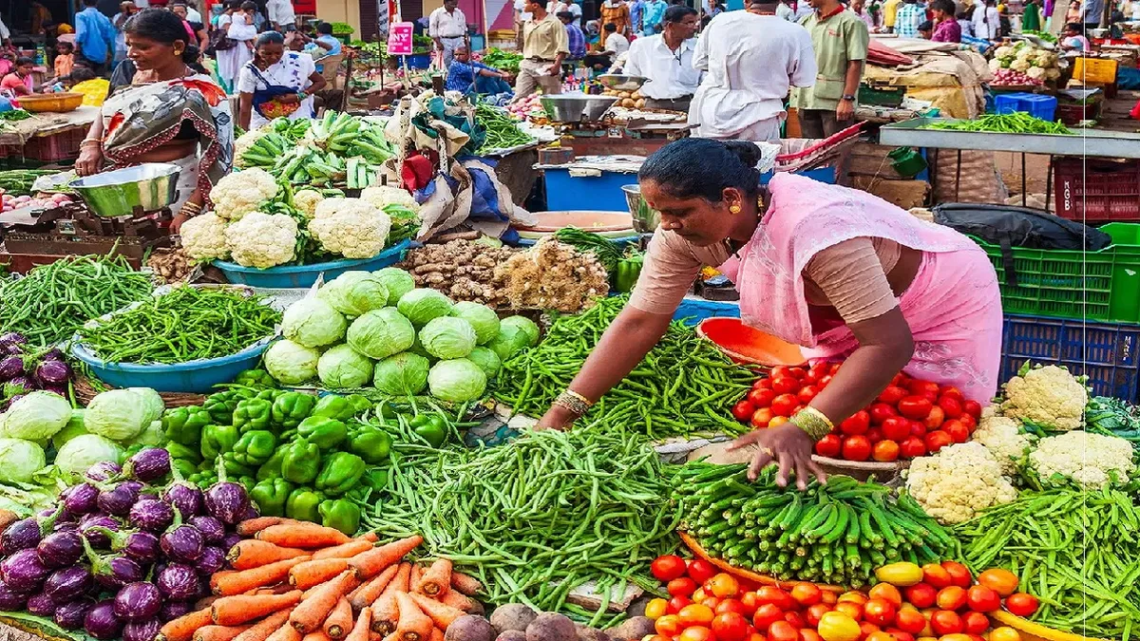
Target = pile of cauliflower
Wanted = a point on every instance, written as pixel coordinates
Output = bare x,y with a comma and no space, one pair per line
1049,397
1091,461
1024,59
1004,438
958,482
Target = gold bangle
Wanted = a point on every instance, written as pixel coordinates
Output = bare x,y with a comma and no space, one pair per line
194,207
572,403
87,142
581,398
813,422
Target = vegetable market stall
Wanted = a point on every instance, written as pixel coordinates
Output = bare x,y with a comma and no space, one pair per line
47,137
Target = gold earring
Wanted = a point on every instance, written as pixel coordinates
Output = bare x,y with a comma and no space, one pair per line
734,209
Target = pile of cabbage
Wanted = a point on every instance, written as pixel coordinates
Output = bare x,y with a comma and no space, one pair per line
377,329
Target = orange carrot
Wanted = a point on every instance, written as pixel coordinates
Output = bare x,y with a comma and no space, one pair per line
184,627
436,635
371,537
312,612
436,581
367,593
414,578
305,575
261,630
235,610
369,564
238,582
363,628
285,633
218,632
414,625
345,551
460,601
206,601
249,527
302,535
442,615
339,621
385,612
466,583
251,553
316,635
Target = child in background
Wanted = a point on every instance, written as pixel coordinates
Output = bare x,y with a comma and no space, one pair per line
64,59
925,29
19,82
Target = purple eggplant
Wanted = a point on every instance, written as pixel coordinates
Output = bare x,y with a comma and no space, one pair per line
101,621
90,527
151,515
172,610
60,549
81,499
227,501
138,601
27,533
68,584
119,499
182,543
184,497
103,471
13,342
53,373
251,512
178,582
212,560
142,630
11,367
212,529
11,600
20,382
140,546
41,605
24,571
53,354
69,616
58,390
66,526
232,539
149,465
113,571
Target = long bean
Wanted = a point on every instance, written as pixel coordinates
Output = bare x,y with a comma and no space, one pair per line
1013,123
502,132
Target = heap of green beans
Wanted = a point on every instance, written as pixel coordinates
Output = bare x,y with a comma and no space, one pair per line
1077,552
537,517
836,533
52,301
187,324
1018,122
18,182
502,131
684,386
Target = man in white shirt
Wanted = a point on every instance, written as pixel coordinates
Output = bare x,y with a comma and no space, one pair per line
751,59
281,13
555,8
667,61
615,42
447,26
785,11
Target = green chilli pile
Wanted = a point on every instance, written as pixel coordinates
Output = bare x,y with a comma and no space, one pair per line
502,131
679,389
836,533
537,517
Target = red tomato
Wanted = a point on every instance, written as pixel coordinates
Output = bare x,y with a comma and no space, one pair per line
982,599
784,405
945,622
881,412
972,408
824,381
886,451
813,614
912,447
668,567
900,635
782,631
669,625
1021,604
730,626
937,440
896,429
853,610
785,385
879,612
775,596
952,392
796,619
761,417
915,407
935,419
969,421
867,629
808,634
892,395
975,622
828,446
722,586
874,435
910,621
766,615
901,380
761,397
951,406
730,605
701,570
959,574
748,602
807,594
956,430
817,371
683,586
951,597
921,595
806,393
880,636
888,593
856,448
936,576
799,372
917,428
676,603
1001,581
835,368
743,410
777,421
921,388
764,383
696,633
696,614
781,371
857,423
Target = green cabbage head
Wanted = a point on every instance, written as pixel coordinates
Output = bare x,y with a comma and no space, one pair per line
422,305
152,400
74,427
510,341
404,374
381,333
291,363
120,414
458,380
448,337
487,360
36,417
526,325
482,318
311,322
341,367
85,450
398,282
354,293
20,460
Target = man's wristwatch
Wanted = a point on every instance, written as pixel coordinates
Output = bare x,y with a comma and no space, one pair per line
848,98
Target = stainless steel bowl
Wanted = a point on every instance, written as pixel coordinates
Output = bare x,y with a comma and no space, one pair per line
645,218
149,186
576,107
621,83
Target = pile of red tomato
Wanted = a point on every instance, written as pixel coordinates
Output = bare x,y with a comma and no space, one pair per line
911,418
937,601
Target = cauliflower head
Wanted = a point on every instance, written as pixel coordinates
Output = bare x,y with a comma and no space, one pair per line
242,192
1002,52
352,232
1048,396
1037,73
958,482
995,65
1004,439
384,196
262,240
204,238
1089,460
332,206
1020,64
306,201
243,144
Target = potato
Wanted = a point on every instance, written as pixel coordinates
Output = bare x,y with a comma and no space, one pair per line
549,626
636,95
640,103
586,633
470,628
512,616
623,95
633,629
628,103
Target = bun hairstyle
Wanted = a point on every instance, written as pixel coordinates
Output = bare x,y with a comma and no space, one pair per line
702,167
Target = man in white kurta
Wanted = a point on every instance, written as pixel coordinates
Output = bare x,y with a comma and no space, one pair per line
447,26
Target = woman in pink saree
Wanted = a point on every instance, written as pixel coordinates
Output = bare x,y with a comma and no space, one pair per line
840,272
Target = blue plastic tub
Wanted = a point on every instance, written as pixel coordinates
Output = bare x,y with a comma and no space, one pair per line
416,61
1036,105
306,275
195,377
565,192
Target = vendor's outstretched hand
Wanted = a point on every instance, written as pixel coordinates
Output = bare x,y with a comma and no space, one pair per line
555,418
786,444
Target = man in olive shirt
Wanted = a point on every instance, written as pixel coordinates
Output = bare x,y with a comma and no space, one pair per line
840,40
545,46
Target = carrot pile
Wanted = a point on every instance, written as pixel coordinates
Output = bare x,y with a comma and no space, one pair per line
297,581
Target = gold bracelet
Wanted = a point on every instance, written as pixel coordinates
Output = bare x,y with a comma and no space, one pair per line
578,396
194,207
814,422
572,403
87,142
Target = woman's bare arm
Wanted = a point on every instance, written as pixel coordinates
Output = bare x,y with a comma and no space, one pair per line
245,109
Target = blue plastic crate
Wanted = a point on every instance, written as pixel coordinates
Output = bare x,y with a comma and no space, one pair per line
567,192
1036,105
306,275
1105,352
694,310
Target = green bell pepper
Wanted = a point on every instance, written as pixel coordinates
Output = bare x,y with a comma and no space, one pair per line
360,403
248,482
628,270
271,496
334,407
340,473
221,405
326,432
180,452
218,439
255,447
252,414
304,504
431,428
290,408
271,469
235,468
301,463
184,467
183,425
255,378
340,514
269,395
371,444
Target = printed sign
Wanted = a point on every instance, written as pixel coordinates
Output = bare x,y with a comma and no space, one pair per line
400,39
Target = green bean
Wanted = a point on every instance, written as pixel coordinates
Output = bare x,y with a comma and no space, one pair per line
1013,123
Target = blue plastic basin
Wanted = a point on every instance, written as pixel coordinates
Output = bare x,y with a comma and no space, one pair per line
306,275
195,377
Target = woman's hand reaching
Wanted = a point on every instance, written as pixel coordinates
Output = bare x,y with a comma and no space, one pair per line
90,160
786,444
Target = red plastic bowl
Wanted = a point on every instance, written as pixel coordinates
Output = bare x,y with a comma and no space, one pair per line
745,344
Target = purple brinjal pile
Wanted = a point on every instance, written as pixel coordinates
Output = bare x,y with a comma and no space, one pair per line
23,369
127,550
